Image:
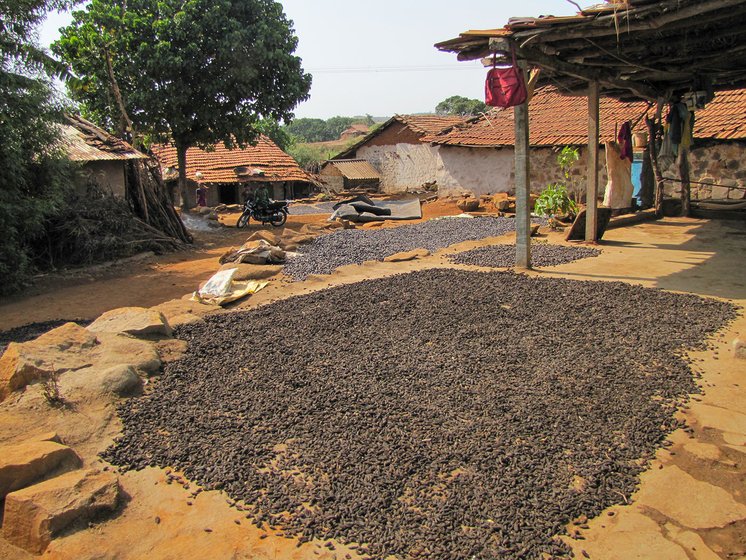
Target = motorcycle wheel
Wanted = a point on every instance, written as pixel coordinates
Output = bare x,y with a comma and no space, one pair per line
279,219
243,220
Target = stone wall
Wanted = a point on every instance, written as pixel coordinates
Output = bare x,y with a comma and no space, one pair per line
722,164
490,170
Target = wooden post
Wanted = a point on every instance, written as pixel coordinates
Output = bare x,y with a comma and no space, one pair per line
591,199
522,188
686,191
653,127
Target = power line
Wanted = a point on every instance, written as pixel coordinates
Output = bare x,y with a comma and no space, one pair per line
381,69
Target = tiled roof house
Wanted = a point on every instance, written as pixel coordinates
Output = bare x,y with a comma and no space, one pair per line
396,150
477,155
226,172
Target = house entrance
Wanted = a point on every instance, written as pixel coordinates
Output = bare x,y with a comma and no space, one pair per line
228,194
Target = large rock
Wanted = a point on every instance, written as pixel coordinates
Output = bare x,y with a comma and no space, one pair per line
65,348
35,515
739,347
407,255
117,350
468,204
267,236
25,463
135,321
120,380
246,271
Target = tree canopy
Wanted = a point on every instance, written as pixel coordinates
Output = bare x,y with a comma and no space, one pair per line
461,106
191,72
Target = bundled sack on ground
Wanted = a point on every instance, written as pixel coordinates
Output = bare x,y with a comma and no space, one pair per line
255,252
222,289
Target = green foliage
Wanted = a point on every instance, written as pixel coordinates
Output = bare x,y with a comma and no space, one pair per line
34,175
554,201
310,157
461,106
277,133
319,130
194,72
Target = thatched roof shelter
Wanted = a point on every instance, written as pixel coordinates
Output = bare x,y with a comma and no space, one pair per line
639,49
655,50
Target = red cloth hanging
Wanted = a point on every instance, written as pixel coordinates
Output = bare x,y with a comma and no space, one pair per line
625,141
505,87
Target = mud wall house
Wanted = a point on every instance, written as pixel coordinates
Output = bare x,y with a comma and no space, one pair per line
228,172
102,157
397,151
354,131
349,174
478,156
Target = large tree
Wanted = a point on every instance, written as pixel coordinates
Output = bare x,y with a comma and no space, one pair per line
191,72
461,106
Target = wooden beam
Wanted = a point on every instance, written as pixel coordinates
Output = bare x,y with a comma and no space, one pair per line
591,199
605,25
522,187
553,64
653,126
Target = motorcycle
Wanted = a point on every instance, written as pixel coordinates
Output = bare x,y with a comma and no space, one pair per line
275,212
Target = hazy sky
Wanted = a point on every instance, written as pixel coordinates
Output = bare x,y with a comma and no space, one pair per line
377,57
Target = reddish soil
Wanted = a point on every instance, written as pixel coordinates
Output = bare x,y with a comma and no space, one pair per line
86,293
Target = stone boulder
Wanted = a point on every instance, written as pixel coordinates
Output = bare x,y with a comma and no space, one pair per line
135,321
116,350
37,514
739,347
268,236
65,348
120,380
25,463
468,204
407,255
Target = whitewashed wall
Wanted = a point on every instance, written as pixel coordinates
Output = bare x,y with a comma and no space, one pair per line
459,170
402,166
475,170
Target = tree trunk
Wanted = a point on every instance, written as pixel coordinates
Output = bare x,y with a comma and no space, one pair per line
653,127
686,201
181,154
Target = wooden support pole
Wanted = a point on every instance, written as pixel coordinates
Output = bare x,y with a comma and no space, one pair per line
686,191
653,127
522,188
591,199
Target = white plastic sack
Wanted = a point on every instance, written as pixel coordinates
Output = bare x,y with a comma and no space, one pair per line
219,285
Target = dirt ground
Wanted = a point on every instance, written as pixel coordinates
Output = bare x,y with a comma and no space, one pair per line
691,504
86,293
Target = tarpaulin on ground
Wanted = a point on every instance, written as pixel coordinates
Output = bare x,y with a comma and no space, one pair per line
363,209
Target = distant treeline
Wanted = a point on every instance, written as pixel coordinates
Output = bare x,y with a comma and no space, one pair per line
320,130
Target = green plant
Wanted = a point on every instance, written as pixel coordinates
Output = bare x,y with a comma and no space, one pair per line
554,201
50,390
567,157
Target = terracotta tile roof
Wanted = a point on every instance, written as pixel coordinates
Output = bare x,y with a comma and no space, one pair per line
558,120
84,141
355,168
264,162
420,124
429,124
357,128
724,118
